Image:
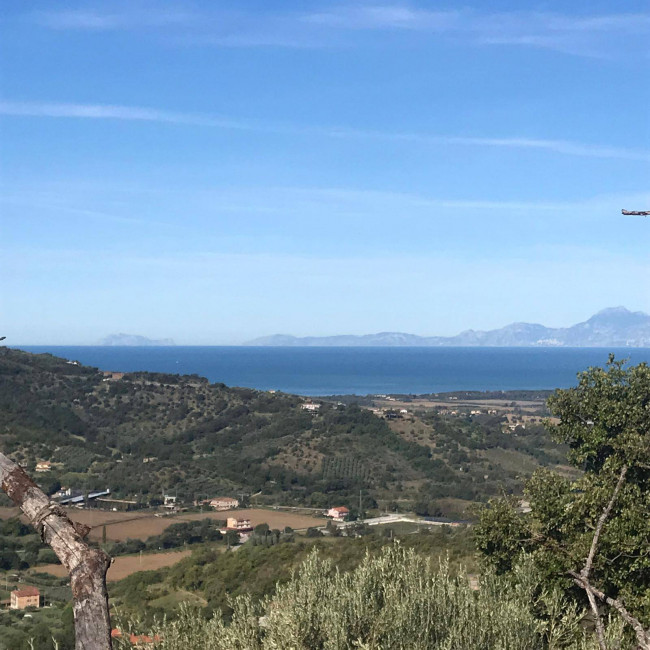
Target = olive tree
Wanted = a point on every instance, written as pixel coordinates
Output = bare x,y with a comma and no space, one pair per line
591,535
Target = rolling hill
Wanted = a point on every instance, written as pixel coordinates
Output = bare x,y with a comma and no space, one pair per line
141,434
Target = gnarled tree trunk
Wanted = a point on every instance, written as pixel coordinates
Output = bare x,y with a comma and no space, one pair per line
87,566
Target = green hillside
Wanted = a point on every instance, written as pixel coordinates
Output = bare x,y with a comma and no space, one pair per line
214,577
144,433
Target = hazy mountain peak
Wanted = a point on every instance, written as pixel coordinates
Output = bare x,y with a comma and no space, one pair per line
611,327
615,310
133,340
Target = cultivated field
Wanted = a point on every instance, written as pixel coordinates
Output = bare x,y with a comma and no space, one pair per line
140,525
146,526
8,513
89,517
126,565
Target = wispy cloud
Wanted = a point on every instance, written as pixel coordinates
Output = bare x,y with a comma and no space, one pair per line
44,208
586,35
153,115
127,18
114,112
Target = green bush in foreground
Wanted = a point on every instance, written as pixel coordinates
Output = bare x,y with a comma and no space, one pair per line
392,600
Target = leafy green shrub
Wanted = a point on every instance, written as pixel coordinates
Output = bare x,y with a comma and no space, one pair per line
392,600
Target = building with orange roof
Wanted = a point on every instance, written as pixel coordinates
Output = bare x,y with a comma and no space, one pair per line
338,514
25,597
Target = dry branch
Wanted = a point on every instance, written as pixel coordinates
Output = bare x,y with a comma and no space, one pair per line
86,566
643,636
601,522
582,579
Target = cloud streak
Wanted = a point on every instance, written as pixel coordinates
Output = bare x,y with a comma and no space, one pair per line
584,35
152,115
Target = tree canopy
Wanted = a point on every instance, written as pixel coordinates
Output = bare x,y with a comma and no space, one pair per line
592,535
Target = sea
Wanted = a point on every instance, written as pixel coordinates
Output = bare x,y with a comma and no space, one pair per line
314,371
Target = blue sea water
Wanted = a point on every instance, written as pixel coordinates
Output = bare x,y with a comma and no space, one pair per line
360,371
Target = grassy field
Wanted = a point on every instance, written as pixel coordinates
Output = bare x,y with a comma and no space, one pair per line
126,565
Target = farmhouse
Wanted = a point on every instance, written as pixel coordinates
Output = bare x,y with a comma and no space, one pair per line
43,466
241,525
25,597
310,407
223,503
112,376
338,514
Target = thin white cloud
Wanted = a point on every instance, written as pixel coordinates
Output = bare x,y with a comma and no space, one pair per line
139,114
586,35
41,208
114,112
89,20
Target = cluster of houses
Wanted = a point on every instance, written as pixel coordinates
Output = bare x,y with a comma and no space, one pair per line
389,414
445,411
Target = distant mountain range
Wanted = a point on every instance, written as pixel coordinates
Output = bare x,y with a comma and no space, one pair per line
613,327
133,340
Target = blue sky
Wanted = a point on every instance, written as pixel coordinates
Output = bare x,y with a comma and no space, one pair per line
216,171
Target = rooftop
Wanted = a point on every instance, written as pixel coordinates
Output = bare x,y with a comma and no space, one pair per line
26,591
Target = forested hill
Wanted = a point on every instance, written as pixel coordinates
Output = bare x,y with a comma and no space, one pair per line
140,434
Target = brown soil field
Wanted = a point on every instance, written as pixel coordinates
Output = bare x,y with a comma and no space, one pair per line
146,526
8,513
94,518
274,518
126,565
140,525
89,517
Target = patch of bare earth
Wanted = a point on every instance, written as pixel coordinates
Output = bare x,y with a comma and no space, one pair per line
146,526
126,565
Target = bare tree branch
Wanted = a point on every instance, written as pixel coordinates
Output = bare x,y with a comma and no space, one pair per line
87,566
636,213
600,628
643,636
582,579
601,522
